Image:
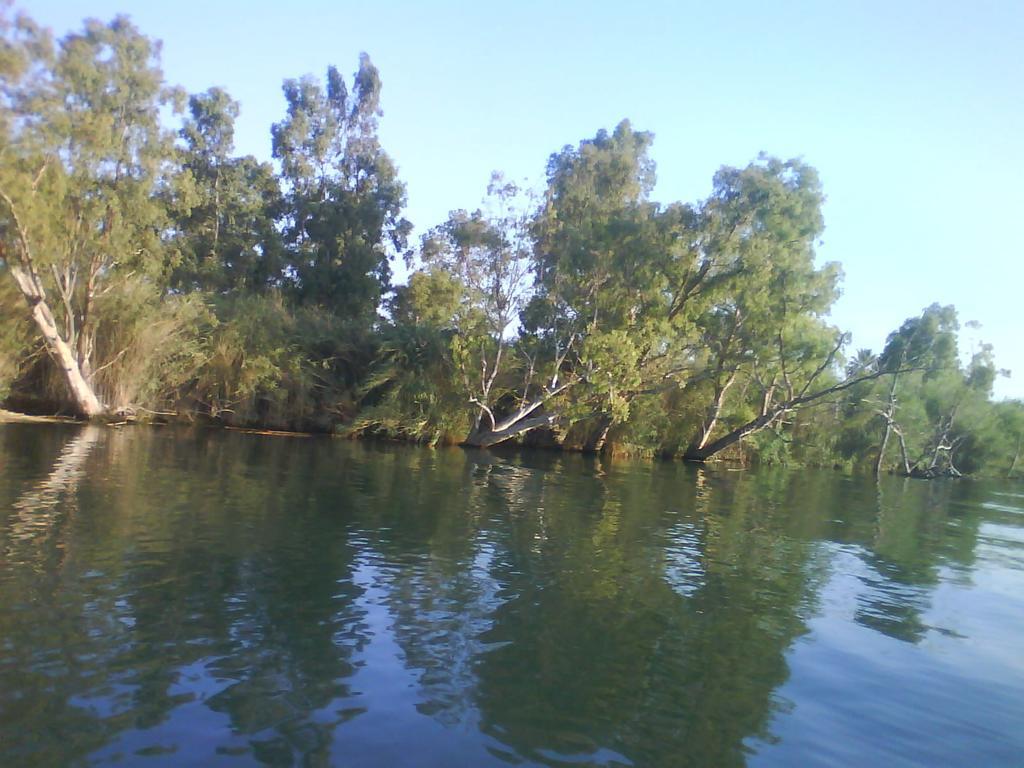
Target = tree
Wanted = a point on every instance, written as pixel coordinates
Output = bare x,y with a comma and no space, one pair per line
412,391
83,155
599,266
487,252
957,404
763,322
226,234
1008,429
927,342
344,196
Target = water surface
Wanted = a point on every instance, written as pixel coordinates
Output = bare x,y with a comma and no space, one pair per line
174,598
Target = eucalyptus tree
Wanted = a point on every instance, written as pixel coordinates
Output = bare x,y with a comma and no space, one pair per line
763,328
600,266
956,405
927,342
226,236
633,297
83,153
1008,433
487,252
344,197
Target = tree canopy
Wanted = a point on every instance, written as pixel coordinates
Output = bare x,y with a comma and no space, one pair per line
148,270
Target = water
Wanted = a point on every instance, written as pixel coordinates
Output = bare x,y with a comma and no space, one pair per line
173,598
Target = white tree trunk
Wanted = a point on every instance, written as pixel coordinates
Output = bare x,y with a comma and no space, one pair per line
82,395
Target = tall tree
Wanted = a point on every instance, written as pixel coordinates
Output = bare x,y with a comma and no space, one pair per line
927,342
344,195
763,327
486,251
83,153
226,234
599,266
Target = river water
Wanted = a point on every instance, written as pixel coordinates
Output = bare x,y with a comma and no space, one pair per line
173,598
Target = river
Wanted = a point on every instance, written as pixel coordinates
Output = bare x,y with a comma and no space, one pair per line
172,597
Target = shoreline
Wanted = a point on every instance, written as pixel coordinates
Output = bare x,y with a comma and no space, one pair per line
13,417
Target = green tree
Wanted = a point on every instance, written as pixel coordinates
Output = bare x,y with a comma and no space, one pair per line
928,343
601,278
344,197
763,325
487,252
84,152
957,405
226,238
412,390
1007,437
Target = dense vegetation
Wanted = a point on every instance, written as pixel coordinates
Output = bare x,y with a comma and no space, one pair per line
150,271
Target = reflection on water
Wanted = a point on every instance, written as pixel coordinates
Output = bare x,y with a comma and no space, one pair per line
36,509
176,598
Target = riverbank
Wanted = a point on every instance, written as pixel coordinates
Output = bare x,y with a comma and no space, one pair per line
12,417
736,457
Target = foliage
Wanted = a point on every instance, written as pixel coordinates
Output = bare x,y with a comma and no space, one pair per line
146,268
485,253
17,342
344,197
85,155
225,207
411,392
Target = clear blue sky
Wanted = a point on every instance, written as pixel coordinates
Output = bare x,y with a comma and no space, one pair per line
913,112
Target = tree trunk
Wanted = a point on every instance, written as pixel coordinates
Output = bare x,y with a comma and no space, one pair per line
711,418
596,439
903,452
882,446
485,438
82,395
710,449
890,412
1016,458
519,422
83,398
705,452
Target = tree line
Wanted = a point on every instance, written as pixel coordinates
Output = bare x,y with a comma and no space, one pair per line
149,271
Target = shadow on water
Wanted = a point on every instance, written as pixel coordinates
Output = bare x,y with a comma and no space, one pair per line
207,598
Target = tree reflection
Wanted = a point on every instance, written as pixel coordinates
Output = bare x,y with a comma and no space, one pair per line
212,589
572,637
38,509
278,595
917,531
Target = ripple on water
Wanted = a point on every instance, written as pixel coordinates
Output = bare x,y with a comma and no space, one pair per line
213,599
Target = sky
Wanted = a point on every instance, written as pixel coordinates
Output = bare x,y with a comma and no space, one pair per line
912,112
